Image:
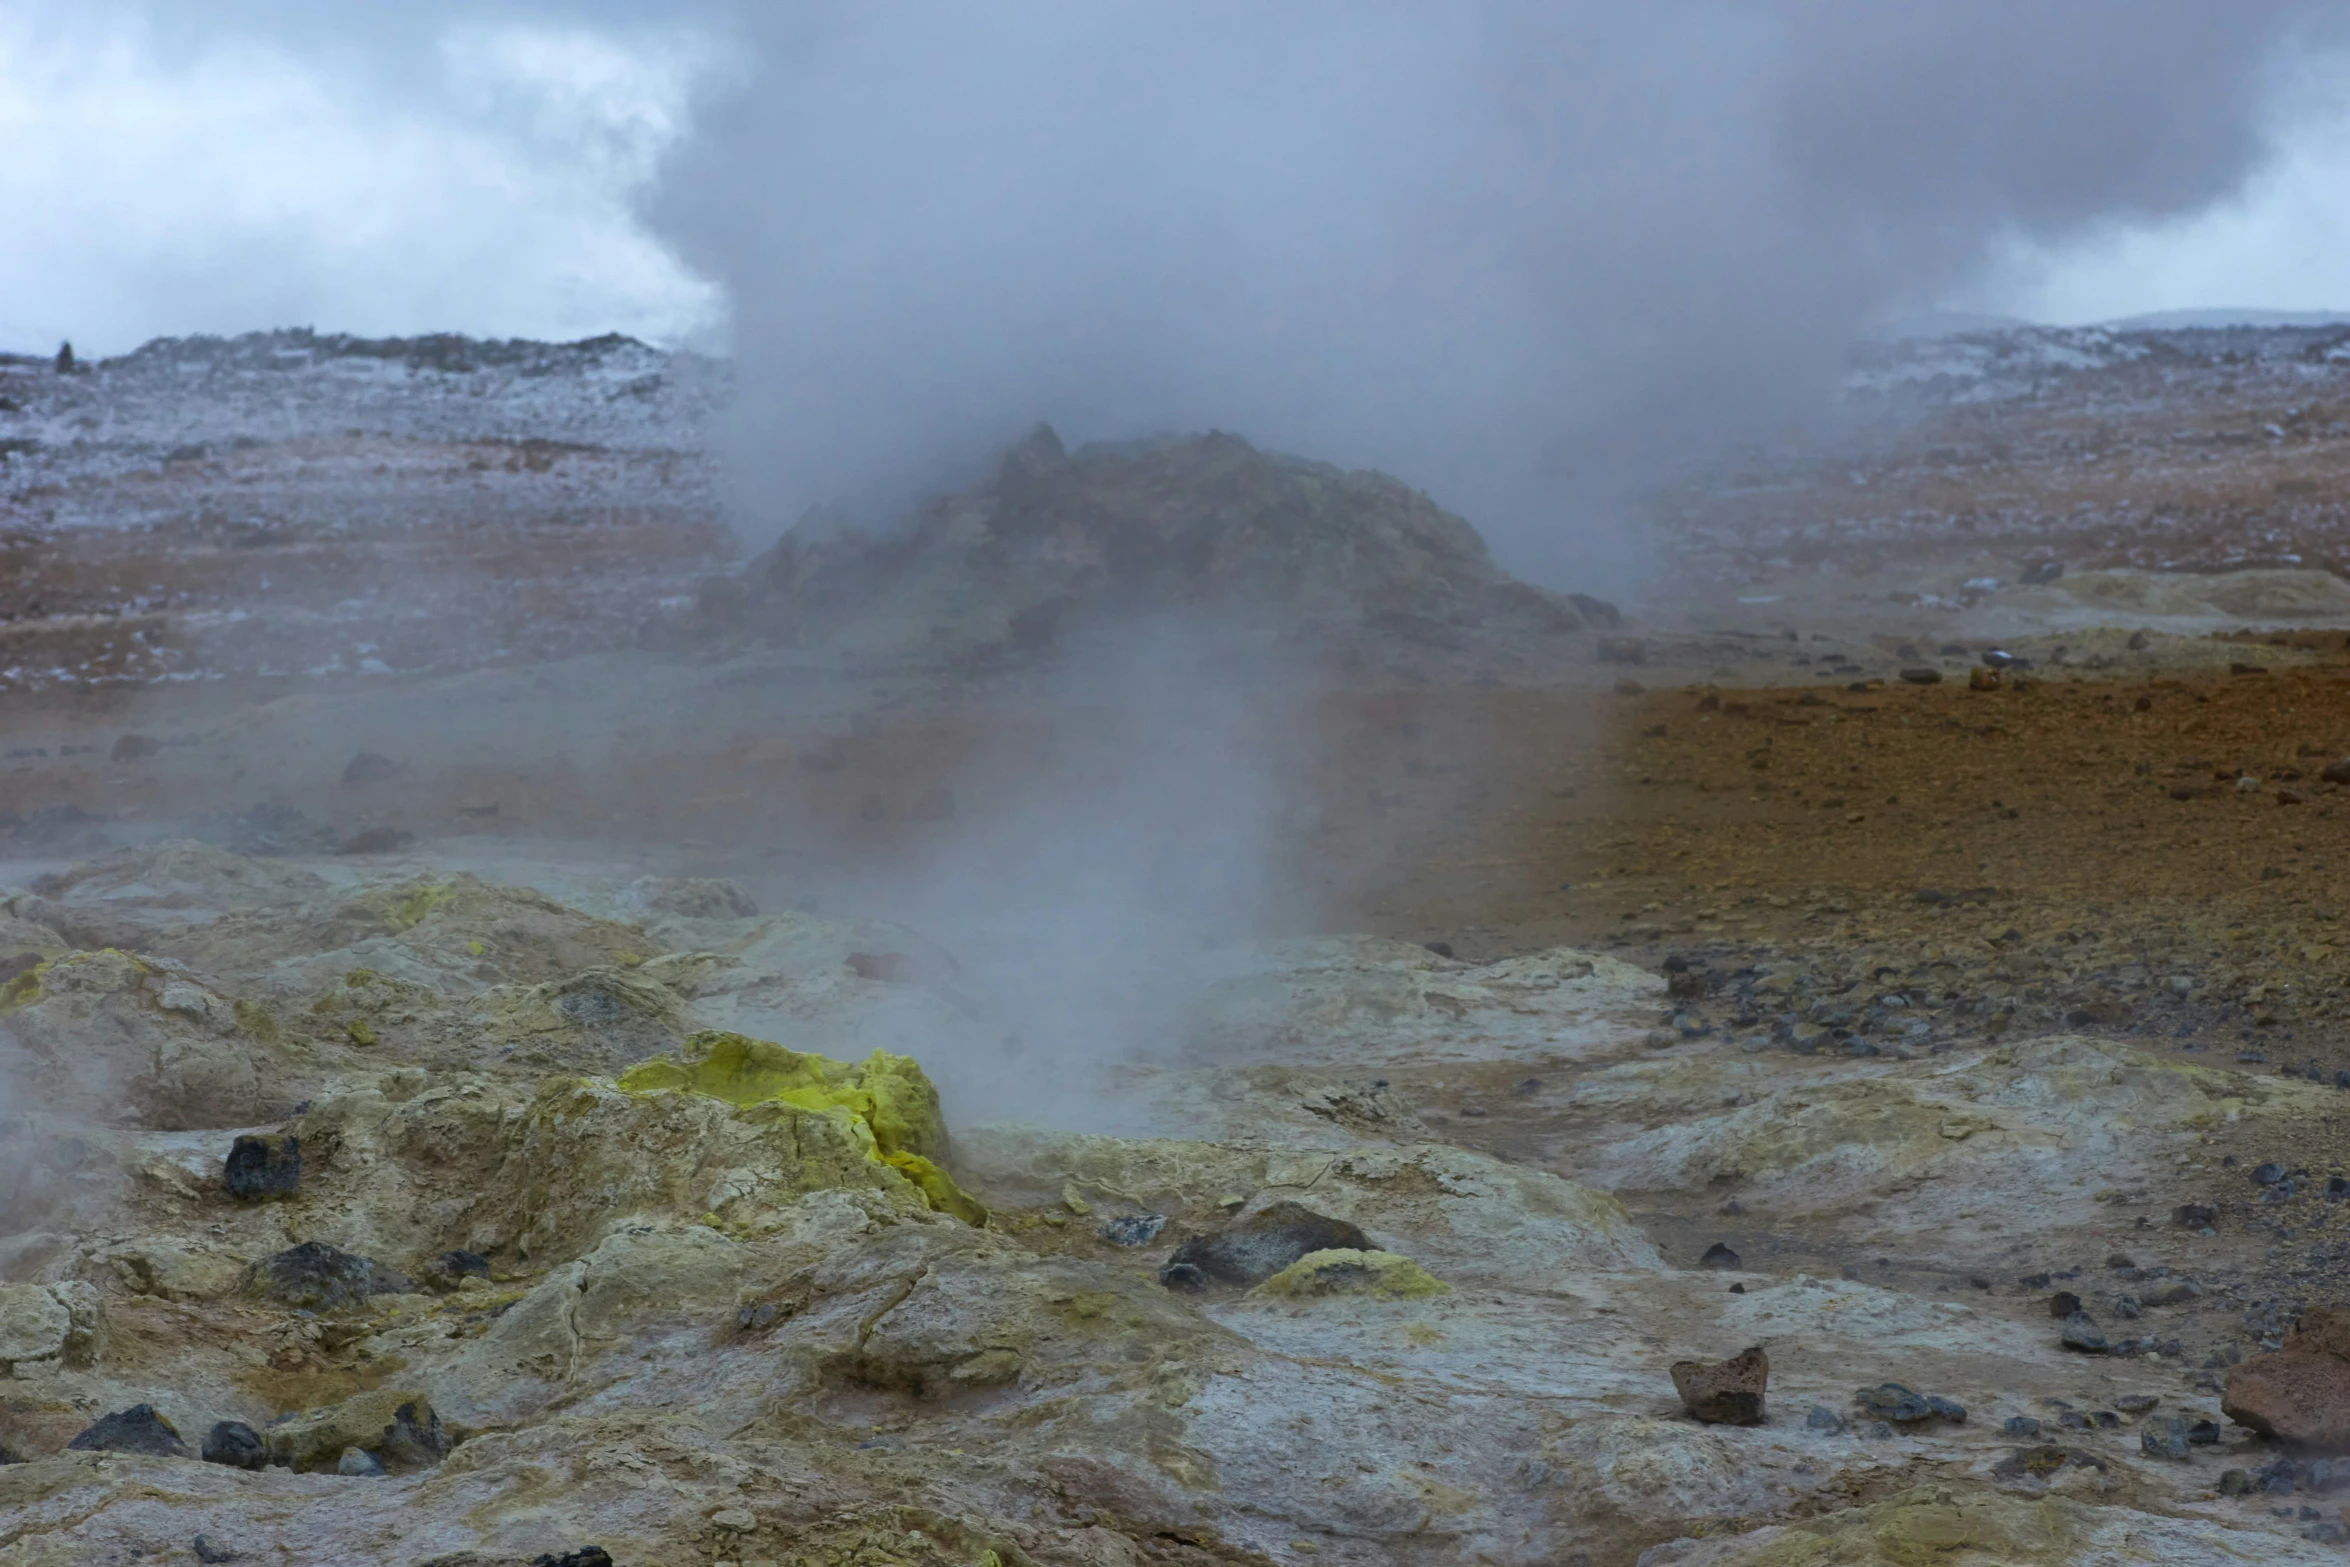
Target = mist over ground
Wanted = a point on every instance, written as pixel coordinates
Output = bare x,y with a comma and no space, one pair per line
1522,257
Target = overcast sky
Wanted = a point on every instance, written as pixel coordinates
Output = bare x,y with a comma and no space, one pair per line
261,170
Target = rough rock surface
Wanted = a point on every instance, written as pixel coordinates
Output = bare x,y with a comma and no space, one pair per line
689,1292
1730,1392
1207,526
2301,1392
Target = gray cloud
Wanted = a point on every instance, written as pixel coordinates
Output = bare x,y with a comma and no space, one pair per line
1517,254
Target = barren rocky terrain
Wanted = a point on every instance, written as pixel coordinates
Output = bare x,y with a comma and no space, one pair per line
1169,1011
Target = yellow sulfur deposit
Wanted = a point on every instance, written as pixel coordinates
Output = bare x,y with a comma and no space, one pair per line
1382,1274
886,1101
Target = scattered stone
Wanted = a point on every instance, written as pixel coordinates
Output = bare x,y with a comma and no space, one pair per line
2170,1292
395,1426
138,1429
315,1276
1921,676
375,840
2300,1393
1442,949
2268,1174
2063,1304
2235,1482
369,767
2043,1462
1718,1256
135,748
1727,1393
2204,1433
1982,679
2021,1425
1133,1229
2081,1333
2165,1438
206,1551
2136,1403
2336,772
585,1556
1824,1419
360,1462
452,1268
236,1444
2194,1216
1900,1405
1251,1250
264,1165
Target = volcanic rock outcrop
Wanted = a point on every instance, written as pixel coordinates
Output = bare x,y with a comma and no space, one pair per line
1207,528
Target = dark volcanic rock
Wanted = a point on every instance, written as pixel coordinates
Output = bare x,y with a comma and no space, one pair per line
1728,1392
450,1267
138,1429
264,1166
2082,1334
1253,1249
585,1556
315,1276
1205,525
236,1444
1719,1255
2301,1393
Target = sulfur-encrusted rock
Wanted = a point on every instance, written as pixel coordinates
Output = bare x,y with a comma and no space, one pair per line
1339,1271
317,1276
397,1426
1728,1392
2301,1392
1253,1248
47,1325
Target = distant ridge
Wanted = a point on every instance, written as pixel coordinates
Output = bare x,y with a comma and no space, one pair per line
2221,319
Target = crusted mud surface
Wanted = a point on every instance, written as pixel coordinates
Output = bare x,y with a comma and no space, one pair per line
637,1155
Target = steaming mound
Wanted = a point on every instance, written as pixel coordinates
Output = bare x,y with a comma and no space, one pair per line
1207,527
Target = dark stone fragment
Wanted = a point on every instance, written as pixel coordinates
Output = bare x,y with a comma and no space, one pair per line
1251,1250
206,1551
1442,949
1134,1229
2043,1462
236,1444
2204,1433
315,1276
585,1556
1183,1276
2063,1304
445,1271
1718,1256
2136,1403
1822,1418
360,1464
2034,1281
2164,1438
1949,1409
138,1429
2337,1187
2021,1425
2194,1216
1891,1401
2268,1174
2080,1333
2235,1482
135,748
264,1166
2326,1476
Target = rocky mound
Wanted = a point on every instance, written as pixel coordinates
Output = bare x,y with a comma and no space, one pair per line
1206,528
